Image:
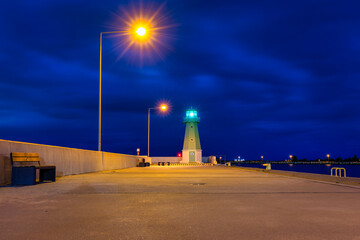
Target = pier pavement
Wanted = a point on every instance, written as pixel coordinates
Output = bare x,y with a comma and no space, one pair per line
180,203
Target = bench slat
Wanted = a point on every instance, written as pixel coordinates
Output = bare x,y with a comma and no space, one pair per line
22,154
19,159
25,157
19,154
32,154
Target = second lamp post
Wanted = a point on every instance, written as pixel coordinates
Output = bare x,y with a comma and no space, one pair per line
163,108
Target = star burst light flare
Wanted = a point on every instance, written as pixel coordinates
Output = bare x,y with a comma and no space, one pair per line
163,107
143,32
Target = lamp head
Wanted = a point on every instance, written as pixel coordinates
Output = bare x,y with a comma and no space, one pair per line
163,107
141,31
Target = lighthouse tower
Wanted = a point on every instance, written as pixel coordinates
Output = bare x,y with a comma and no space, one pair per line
191,152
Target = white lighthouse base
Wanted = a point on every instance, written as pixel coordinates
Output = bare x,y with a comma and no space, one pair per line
191,156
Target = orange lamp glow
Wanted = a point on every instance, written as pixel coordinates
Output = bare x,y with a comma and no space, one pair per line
141,31
179,154
163,107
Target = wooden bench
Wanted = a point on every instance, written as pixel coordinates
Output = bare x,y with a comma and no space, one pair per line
24,167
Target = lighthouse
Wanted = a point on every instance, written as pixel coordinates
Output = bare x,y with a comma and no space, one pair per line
191,152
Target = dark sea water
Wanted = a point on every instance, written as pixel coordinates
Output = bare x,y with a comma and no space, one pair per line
351,170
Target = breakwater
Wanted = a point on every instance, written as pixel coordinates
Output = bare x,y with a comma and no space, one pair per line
352,169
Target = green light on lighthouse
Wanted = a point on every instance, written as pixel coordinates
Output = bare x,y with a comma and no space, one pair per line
192,149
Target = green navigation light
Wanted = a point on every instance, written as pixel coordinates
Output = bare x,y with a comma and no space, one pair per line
191,113
191,116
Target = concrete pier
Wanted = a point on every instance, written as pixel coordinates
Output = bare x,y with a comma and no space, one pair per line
180,203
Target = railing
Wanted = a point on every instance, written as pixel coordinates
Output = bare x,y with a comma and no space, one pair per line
337,172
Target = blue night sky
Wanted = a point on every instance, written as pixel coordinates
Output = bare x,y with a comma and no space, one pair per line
268,78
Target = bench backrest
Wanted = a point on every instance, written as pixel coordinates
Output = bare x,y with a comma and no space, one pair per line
25,159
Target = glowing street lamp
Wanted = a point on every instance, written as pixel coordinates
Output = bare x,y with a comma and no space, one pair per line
143,30
328,157
163,108
140,32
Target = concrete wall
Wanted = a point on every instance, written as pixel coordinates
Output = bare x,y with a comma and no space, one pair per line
5,164
119,161
67,160
155,160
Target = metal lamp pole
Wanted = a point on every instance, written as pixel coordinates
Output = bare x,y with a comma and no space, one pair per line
100,66
163,107
148,153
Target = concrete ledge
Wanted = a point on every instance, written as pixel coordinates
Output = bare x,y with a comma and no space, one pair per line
312,176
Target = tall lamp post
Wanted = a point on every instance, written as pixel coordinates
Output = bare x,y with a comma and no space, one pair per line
163,108
140,31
